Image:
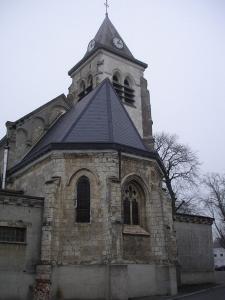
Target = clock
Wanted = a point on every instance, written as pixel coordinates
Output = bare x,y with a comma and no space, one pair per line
91,45
118,43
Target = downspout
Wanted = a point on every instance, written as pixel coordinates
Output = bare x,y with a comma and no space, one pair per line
5,163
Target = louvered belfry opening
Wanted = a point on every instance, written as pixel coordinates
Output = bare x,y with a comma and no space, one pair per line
130,205
117,86
125,92
83,200
84,90
128,92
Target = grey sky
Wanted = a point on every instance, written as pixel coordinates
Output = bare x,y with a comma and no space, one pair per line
183,42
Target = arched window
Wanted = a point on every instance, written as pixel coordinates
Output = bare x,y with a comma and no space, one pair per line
82,90
126,82
90,84
128,91
115,78
131,204
83,200
82,86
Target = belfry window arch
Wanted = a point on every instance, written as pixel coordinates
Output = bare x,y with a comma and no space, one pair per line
90,83
133,204
83,200
82,88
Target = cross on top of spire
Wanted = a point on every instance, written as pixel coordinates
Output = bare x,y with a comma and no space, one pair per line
106,7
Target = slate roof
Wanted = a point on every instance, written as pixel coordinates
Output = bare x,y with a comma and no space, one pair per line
98,121
105,35
104,40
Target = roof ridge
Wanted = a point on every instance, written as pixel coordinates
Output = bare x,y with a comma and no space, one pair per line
95,92
109,108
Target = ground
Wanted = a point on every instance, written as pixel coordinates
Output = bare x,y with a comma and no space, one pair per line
198,292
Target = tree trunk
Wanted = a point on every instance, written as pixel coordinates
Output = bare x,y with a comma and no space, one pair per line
172,195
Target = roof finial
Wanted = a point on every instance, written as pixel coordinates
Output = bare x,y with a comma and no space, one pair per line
106,8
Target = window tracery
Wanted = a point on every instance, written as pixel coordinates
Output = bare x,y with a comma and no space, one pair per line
131,204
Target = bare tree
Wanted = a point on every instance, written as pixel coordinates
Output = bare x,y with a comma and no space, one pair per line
181,167
214,200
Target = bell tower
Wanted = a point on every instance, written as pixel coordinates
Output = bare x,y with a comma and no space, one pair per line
108,56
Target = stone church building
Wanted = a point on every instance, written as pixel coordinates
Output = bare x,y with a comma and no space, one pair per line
82,211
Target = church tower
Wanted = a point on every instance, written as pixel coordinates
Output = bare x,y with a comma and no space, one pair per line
108,56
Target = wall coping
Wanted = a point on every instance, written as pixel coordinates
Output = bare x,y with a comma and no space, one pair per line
196,219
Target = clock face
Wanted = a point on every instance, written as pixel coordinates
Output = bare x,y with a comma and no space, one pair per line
118,42
91,45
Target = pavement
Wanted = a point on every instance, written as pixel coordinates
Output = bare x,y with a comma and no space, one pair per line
194,292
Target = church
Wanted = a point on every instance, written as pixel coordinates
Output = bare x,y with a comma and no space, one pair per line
83,214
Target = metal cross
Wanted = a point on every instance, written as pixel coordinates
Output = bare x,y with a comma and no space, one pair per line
106,7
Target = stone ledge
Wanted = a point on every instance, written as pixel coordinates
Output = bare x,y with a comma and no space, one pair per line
135,230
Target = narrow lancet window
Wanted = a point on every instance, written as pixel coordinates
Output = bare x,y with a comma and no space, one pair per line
82,90
90,84
83,200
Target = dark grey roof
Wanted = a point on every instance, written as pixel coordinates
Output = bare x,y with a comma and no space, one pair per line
104,40
98,121
104,37
98,117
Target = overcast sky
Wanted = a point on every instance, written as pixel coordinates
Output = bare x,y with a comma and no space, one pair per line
182,41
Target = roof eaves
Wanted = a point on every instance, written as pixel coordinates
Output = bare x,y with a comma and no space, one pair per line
84,146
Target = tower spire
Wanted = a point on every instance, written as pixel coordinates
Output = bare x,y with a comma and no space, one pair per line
106,8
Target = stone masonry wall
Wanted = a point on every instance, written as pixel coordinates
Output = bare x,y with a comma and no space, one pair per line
158,223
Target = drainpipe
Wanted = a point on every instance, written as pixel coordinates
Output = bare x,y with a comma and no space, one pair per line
5,162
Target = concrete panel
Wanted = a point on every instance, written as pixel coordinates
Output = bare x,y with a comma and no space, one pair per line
195,252
141,280
72,281
16,285
197,277
119,284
